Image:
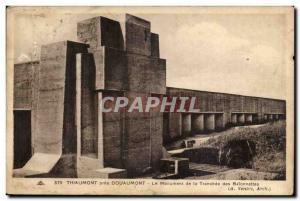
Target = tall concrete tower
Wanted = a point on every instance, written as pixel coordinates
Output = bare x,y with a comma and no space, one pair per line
71,135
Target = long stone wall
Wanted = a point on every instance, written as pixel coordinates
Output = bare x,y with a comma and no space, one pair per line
218,111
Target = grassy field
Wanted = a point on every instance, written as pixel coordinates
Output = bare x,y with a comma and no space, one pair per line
270,145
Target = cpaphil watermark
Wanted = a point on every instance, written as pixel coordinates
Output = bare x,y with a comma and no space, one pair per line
152,103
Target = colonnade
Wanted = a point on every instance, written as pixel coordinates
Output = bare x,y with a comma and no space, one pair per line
239,118
200,122
273,117
195,123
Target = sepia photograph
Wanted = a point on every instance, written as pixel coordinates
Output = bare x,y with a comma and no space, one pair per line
150,100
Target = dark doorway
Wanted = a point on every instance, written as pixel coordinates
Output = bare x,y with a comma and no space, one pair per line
22,137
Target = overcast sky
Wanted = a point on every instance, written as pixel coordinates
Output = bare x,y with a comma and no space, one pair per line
231,53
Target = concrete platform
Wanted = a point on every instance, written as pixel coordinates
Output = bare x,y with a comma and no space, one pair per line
88,167
40,163
175,165
106,173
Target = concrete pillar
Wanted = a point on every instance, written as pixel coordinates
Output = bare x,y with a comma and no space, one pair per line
137,140
219,121
234,119
270,117
255,118
209,122
86,105
186,123
282,116
105,40
154,45
249,118
198,122
175,125
156,138
241,118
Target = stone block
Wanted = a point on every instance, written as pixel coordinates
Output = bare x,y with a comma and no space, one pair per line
65,167
138,131
177,166
138,36
40,163
99,68
139,79
133,99
85,165
154,45
112,143
113,132
138,161
91,168
143,140
55,121
100,31
24,77
157,73
115,70
111,69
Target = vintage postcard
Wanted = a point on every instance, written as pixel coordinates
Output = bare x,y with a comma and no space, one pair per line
150,101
